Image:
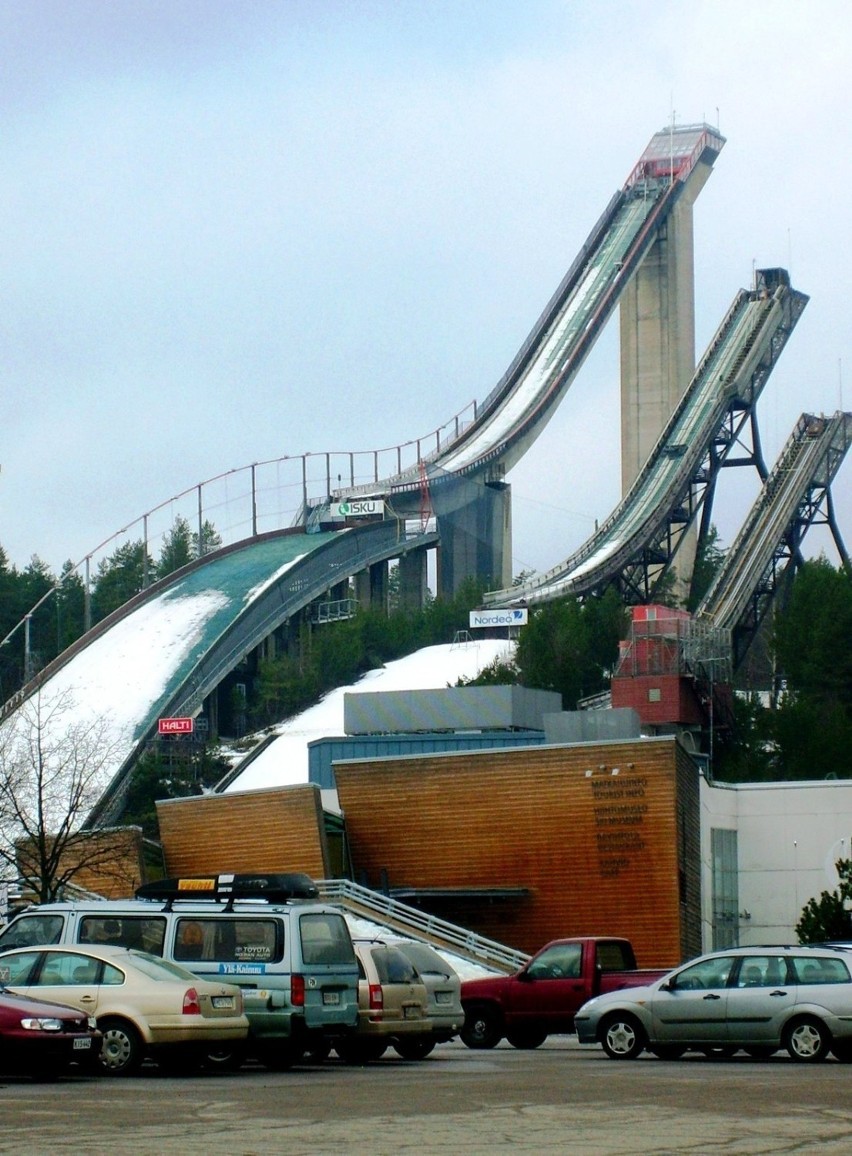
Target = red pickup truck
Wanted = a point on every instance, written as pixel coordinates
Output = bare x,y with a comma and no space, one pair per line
543,997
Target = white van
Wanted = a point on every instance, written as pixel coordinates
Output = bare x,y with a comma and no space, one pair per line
291,955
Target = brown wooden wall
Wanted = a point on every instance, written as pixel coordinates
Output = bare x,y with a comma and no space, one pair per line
602,853
280,829
112,861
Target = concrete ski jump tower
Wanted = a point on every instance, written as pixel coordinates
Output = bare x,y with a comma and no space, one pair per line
657,317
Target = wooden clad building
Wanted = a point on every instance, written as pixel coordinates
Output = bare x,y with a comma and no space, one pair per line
279,829
528,844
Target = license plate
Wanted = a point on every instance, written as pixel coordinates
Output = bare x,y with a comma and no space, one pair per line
81,1045
412,1013
443,997
223,1001
331,997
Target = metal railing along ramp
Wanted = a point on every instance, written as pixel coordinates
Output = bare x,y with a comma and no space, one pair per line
416,924
516,411
794,496
664,499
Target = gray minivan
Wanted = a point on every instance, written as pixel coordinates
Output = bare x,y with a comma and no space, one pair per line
291,955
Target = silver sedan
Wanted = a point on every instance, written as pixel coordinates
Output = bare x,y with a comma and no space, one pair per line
757,999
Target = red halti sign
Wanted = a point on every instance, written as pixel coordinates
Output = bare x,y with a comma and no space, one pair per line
175,726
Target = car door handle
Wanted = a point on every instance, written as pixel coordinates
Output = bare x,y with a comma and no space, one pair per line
87,999
712,996
778,992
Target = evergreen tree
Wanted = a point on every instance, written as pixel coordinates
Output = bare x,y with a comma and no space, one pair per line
813,646
178,548
709,558
571,646
209,540
70,606
119,578
828,918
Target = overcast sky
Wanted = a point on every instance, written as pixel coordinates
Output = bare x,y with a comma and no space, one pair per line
239,230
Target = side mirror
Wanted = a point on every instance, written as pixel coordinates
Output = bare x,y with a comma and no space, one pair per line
525,977
667,986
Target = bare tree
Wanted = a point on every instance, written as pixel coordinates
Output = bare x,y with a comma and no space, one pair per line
53,769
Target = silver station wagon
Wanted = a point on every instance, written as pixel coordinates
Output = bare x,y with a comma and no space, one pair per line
757,999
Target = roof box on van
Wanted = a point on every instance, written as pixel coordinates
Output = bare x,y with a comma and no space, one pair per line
274,888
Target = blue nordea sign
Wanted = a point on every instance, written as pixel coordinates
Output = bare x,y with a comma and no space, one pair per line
512,617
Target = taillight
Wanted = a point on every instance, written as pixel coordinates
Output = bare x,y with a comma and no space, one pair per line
376,998
191,1006
297,990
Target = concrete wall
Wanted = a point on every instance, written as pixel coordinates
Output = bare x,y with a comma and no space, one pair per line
789,838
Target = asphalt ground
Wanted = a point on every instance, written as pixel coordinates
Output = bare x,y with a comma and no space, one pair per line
559,1098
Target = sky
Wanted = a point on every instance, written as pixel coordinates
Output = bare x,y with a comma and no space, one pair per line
238,231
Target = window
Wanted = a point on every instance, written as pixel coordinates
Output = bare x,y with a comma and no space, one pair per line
143,932
65,968
229,940
725,888
762,971
704,976
820,970
392,966
325,939
426,960
562,961
15,970
32,931
615,957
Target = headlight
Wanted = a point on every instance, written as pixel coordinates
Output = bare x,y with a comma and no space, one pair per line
42,1025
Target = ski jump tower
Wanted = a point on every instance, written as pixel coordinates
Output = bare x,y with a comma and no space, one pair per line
657,318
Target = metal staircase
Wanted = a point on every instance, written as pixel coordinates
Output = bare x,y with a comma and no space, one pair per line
416,924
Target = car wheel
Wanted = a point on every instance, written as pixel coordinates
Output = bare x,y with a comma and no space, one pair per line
483,1027
414,1047
622,1037
667,1051
807,1040
760,1051
526,1038
122,1051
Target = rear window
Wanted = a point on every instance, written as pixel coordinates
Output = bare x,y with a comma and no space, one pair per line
159,968
325,939
142,932
425,959
809,970
32,931
392,966
228,940
615,957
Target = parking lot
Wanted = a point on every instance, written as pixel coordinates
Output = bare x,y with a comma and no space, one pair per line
560,1098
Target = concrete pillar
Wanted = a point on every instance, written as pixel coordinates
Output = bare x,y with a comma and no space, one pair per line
657,321
476,537
412,579
371,586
